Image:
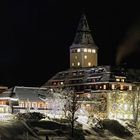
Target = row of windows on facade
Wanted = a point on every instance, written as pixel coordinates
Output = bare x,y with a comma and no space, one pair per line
83,50
85,57
97,86
32,105
98,79
78,73
79,64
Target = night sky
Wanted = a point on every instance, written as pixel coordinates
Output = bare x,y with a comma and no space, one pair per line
36,35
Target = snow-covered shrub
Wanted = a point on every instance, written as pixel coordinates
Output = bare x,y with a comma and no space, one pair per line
115,127
31,116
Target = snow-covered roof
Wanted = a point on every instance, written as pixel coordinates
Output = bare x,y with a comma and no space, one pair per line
26,93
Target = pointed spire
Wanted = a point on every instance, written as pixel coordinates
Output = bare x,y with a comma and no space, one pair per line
83,24
83,34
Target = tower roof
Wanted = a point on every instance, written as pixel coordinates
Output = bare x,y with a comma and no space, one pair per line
83,35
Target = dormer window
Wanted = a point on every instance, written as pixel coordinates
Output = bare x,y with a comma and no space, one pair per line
117,80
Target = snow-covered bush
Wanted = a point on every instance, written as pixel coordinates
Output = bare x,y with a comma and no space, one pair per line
30,116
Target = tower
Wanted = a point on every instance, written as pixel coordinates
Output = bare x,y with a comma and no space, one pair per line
83,51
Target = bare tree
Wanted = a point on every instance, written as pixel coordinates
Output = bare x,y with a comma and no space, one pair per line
71,106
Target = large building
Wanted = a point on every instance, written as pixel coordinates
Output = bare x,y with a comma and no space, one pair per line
97,85
107,92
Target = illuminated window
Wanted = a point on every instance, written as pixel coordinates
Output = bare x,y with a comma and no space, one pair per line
130,87
93,51
88,95
125,107
85,56
61,83
87,105
89,50
118,80
72,64
121,87
22,104
85,50
78,63
78,50
75,57
89,63
122,80
104,86
113,86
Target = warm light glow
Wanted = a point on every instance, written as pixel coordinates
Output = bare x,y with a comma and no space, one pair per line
89,63
113,86
125,107
78,63
85,50
87,105
61,83
89,50
121,87
122,80
117,80
85,56
72,64
93,51
130,87
88,95
78,50
104,86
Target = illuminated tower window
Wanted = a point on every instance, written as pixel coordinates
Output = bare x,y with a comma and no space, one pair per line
72,64
85,56
89,63
78,50
85,50
89,50
93,51
78,63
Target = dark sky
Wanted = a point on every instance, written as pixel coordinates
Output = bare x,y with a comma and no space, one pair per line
36,35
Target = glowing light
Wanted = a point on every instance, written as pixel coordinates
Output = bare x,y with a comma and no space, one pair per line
78,50
113,86
93,51
89,50
125,107
72,64
89,63
117,80
85,50
85,56
78,63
